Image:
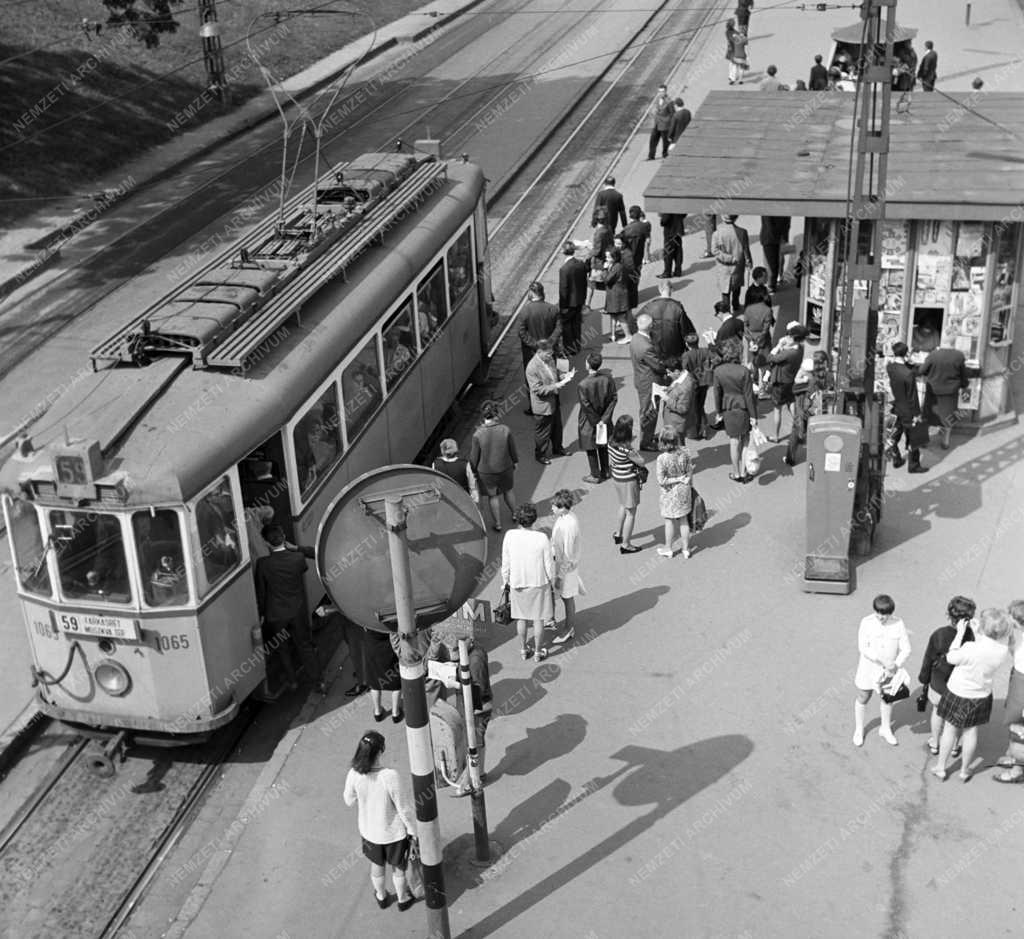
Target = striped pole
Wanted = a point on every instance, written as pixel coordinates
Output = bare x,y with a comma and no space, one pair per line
413,670
476,795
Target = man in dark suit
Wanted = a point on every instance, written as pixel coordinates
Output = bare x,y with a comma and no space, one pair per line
598,398
929,67
662,110
281,600
669,323
544,381
648,368
609,199
944,373
681,118
572,292
819,76
637,235
672,228
906,407
774,231
539,320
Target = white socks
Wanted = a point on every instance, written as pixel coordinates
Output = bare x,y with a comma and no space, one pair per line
885,731
859,710
378,886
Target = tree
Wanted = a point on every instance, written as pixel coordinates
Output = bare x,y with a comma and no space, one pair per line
145,24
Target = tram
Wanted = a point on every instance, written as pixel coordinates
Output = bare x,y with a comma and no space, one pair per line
331,340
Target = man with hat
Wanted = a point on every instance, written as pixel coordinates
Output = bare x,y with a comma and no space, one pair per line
731,248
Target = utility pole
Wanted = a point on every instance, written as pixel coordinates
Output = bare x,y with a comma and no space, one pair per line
213,54
858,319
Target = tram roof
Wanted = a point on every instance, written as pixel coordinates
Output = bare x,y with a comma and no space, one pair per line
952,156
167,423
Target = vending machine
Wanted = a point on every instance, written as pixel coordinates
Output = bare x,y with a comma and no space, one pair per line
833,457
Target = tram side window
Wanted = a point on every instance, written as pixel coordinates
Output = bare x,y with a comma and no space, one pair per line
218,531
399,344
460,268
161,558
90,556
431,304
317,439
360,388
30,548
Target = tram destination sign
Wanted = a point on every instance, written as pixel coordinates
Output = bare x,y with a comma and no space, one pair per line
94,624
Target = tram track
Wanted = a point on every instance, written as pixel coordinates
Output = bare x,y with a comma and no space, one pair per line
79,853
45,315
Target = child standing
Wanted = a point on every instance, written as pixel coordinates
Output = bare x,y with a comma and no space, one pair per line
884,646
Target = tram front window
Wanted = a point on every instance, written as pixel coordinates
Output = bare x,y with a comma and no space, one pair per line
218,531
30,547
90,556
161,558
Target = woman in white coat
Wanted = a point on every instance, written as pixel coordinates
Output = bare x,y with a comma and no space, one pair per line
528,569
565,544
884,647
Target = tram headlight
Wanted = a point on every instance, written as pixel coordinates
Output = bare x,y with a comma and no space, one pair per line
113,678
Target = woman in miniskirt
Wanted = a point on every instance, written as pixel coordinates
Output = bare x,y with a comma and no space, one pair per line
967,703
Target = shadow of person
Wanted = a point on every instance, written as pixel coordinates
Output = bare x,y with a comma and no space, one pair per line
720,532
515,695
659,779
559,738
597,620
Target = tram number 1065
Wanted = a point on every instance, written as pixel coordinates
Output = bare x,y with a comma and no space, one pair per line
172,643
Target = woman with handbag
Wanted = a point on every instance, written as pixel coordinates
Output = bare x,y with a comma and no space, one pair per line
674,472
601,242
884,647
734,401
616,297
628,474
387,823
967,703
528,571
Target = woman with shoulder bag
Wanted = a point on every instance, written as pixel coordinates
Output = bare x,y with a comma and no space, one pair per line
387,823
628,474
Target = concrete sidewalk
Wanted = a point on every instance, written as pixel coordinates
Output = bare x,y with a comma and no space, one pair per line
690,752
34,245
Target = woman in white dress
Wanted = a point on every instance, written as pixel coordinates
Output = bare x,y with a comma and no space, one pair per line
528,569
884,647
565,544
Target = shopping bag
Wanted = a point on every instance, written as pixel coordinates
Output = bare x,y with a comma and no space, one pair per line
751,460
917,434
601,434
698,516
414,870
758,440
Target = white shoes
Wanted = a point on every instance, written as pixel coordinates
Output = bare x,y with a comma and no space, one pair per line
888,736
858,738
665,552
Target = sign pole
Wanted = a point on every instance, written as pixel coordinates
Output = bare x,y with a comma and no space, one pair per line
417,722
483,846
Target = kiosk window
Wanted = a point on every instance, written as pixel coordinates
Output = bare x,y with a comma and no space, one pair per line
90,556
431,304
218,531
161,558
360,388
317,439
29,547
399,344
460,268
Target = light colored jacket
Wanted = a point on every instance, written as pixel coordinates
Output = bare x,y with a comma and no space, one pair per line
527,559
543,382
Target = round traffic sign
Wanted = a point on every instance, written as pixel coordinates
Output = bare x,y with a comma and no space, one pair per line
447,543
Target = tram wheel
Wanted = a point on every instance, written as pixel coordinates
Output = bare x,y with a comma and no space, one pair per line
101,765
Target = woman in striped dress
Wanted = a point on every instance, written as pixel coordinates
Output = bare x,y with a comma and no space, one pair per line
624,463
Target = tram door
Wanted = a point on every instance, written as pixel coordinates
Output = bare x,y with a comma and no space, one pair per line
265,489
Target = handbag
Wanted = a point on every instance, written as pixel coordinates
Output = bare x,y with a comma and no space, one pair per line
897,689
642,474
503,609
698,516
601,434
898,695
917,434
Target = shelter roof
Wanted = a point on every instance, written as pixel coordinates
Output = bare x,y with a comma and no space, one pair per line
788,153
851,35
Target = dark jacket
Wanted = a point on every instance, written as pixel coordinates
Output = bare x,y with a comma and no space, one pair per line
929,67
774,229
539,321
673,226
733,326
785,364
680,121
819,78
698,363
616,298
493,449
945,371
280,585
601,240
647,366
668,327
734,389
572,284
935,670
757,327
610,199
635,236
903,384
598,398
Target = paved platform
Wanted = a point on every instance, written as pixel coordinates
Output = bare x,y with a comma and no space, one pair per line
686,764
